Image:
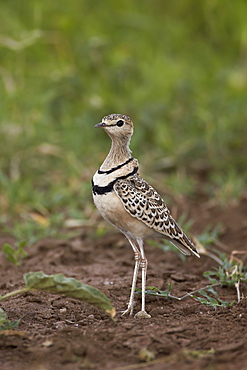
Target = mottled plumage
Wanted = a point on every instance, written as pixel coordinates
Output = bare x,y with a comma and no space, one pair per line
129,203
143,202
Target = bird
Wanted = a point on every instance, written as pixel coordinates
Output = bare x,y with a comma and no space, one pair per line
130,204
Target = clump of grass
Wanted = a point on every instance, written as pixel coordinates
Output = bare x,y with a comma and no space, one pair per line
231,273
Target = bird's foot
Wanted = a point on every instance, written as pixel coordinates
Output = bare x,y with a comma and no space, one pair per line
142,315
128,311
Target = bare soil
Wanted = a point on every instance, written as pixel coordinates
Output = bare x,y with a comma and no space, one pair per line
58,333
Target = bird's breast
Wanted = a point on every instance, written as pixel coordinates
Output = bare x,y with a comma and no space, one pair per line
112,210
110,205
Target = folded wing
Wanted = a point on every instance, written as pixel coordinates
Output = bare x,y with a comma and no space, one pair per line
143,202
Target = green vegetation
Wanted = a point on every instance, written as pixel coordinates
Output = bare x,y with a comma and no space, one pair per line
177,68
67,287
206,299
5,323
15,254
230,273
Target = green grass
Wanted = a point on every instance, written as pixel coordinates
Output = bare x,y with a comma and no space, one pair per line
230,273
177,68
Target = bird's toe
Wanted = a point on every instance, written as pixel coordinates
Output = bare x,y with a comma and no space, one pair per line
142,315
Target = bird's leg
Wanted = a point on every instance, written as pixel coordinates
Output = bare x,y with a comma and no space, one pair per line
143,263
135,274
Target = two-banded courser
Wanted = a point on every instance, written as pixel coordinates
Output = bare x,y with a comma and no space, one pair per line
130,204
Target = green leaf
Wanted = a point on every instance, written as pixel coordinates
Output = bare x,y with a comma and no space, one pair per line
15,255
209,301
202,292
201,300
211,290
68,287
213,301
10,253
6,324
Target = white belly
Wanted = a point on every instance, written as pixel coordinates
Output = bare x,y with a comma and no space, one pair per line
113,211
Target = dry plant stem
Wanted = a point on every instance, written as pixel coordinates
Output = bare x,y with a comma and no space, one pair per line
15,292
211,255
202,250
238,290
221,245
191,293
232,257
197,290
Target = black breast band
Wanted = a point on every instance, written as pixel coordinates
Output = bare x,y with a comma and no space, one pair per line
100,190
115,168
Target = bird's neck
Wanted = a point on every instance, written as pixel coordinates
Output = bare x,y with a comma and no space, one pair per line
119,153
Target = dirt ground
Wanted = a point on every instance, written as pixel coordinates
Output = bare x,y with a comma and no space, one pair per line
63,334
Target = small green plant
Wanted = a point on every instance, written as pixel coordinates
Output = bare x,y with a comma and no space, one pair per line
67,287
206,299
15,254
5,323
231,273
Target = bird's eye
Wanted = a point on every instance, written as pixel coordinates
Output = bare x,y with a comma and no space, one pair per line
120,123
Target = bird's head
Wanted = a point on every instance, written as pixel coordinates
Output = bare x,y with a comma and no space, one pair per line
117,126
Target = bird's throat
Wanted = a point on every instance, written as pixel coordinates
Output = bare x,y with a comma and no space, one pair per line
119,153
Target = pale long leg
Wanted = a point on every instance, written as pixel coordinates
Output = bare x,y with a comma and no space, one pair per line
143,264
135,274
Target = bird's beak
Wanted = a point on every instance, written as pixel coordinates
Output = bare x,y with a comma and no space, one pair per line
101,124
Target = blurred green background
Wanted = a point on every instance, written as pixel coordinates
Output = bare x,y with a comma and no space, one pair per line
177,68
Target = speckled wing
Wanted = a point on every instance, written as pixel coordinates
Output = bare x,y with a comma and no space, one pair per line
143,202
